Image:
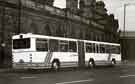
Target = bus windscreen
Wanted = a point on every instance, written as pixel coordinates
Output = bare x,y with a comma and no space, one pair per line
21,43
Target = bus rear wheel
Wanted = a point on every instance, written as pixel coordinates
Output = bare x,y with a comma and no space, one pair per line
91,64
113,62
55,65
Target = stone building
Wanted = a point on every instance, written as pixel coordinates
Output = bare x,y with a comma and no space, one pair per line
87,7
40,17
72,5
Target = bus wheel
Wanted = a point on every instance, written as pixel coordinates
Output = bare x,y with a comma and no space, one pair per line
113,62
56,65
91,64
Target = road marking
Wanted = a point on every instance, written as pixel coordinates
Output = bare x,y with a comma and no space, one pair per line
28,77
76,81
127,76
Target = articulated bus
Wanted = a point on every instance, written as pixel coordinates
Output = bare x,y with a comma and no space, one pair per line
40,51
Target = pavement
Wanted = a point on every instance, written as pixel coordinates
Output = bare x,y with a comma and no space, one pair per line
5,70
2,70
123,74
128,63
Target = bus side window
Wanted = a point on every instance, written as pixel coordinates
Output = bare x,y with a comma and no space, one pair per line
118,49
53,45
107,48
89,47
63,46
102,48
112,49
72,46
99,48
94,48
41,45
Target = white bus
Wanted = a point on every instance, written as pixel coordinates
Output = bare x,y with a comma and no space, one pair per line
40,51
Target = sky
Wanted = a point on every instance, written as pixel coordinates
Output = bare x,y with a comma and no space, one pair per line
115,7
60,3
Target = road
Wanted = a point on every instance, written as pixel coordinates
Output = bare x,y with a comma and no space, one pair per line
100,75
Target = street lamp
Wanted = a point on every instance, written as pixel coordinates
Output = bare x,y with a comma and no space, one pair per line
124,19
124,30
19,16
124,24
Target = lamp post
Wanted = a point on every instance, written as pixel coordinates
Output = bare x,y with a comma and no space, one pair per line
124,31
19,16
124,25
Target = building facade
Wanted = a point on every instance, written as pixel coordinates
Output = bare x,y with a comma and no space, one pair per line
87,8
32,16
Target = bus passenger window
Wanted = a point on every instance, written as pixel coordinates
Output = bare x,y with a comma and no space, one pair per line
53,45
115,50
102,49
107,49
94,48
72,46
41,45
89,48
118,50
63,46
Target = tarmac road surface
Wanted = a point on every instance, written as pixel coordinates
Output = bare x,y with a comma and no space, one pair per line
124,74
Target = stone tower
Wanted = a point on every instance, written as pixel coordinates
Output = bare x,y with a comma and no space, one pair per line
87,7
72,5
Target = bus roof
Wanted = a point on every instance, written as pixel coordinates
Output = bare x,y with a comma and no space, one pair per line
105,43
30,35
41,36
